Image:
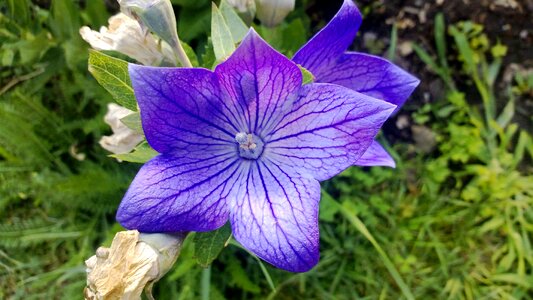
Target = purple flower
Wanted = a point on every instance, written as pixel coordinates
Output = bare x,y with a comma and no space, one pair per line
326,57
249,144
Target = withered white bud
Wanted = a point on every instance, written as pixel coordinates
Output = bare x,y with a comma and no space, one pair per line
242,6
123,139
126,36
133,262
156,15
272,12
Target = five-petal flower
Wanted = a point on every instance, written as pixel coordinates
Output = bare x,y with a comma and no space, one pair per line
249,144
326,57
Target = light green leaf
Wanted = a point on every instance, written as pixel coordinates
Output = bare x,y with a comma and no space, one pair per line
308,77
221,35
208,245
507,114
133,121
511,278
140,154
112,74
235,24
464,48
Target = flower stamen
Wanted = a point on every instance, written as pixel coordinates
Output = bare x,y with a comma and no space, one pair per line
250,145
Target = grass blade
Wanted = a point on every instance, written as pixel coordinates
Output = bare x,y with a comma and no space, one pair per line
349,213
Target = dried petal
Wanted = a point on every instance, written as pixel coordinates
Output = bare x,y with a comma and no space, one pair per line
123,139
125,35
130,264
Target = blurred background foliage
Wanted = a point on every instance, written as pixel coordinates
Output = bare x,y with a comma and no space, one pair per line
453,221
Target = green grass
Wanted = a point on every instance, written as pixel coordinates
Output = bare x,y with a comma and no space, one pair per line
454,222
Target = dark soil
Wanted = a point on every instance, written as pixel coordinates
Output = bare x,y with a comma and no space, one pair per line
507,21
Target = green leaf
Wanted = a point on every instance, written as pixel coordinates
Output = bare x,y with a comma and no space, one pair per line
133,121
286,38
208,56
308,77
498,50
112,74
189,51
19,10
235,24
193,23
427,59
350,213
393,43
141,154
65,19
190,3
464,49
328,207
240,278
97,13
221,35
440,39
507,114
208,245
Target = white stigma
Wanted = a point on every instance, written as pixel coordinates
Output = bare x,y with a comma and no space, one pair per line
250,146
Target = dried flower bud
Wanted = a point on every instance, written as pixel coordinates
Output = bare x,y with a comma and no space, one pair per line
126,36
123,139
134,261
272,12
243,6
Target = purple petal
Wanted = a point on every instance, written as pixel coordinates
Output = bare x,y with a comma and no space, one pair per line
181,193
182,109
275,215
376,155
370,75
328,130
330,43
261,80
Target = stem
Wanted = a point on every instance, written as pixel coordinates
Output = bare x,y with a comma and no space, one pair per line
261,265
266,274
180,54
206,283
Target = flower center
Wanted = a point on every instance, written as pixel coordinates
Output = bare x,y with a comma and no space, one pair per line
250,145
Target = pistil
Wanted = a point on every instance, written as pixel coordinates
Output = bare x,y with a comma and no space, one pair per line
250,145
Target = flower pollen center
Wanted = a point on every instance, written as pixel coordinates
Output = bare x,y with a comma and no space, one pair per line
250,145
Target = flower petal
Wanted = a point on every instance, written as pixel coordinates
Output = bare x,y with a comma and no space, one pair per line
330,43
260,80
370,75
376,155
275,215
328,129
180,193
183,109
